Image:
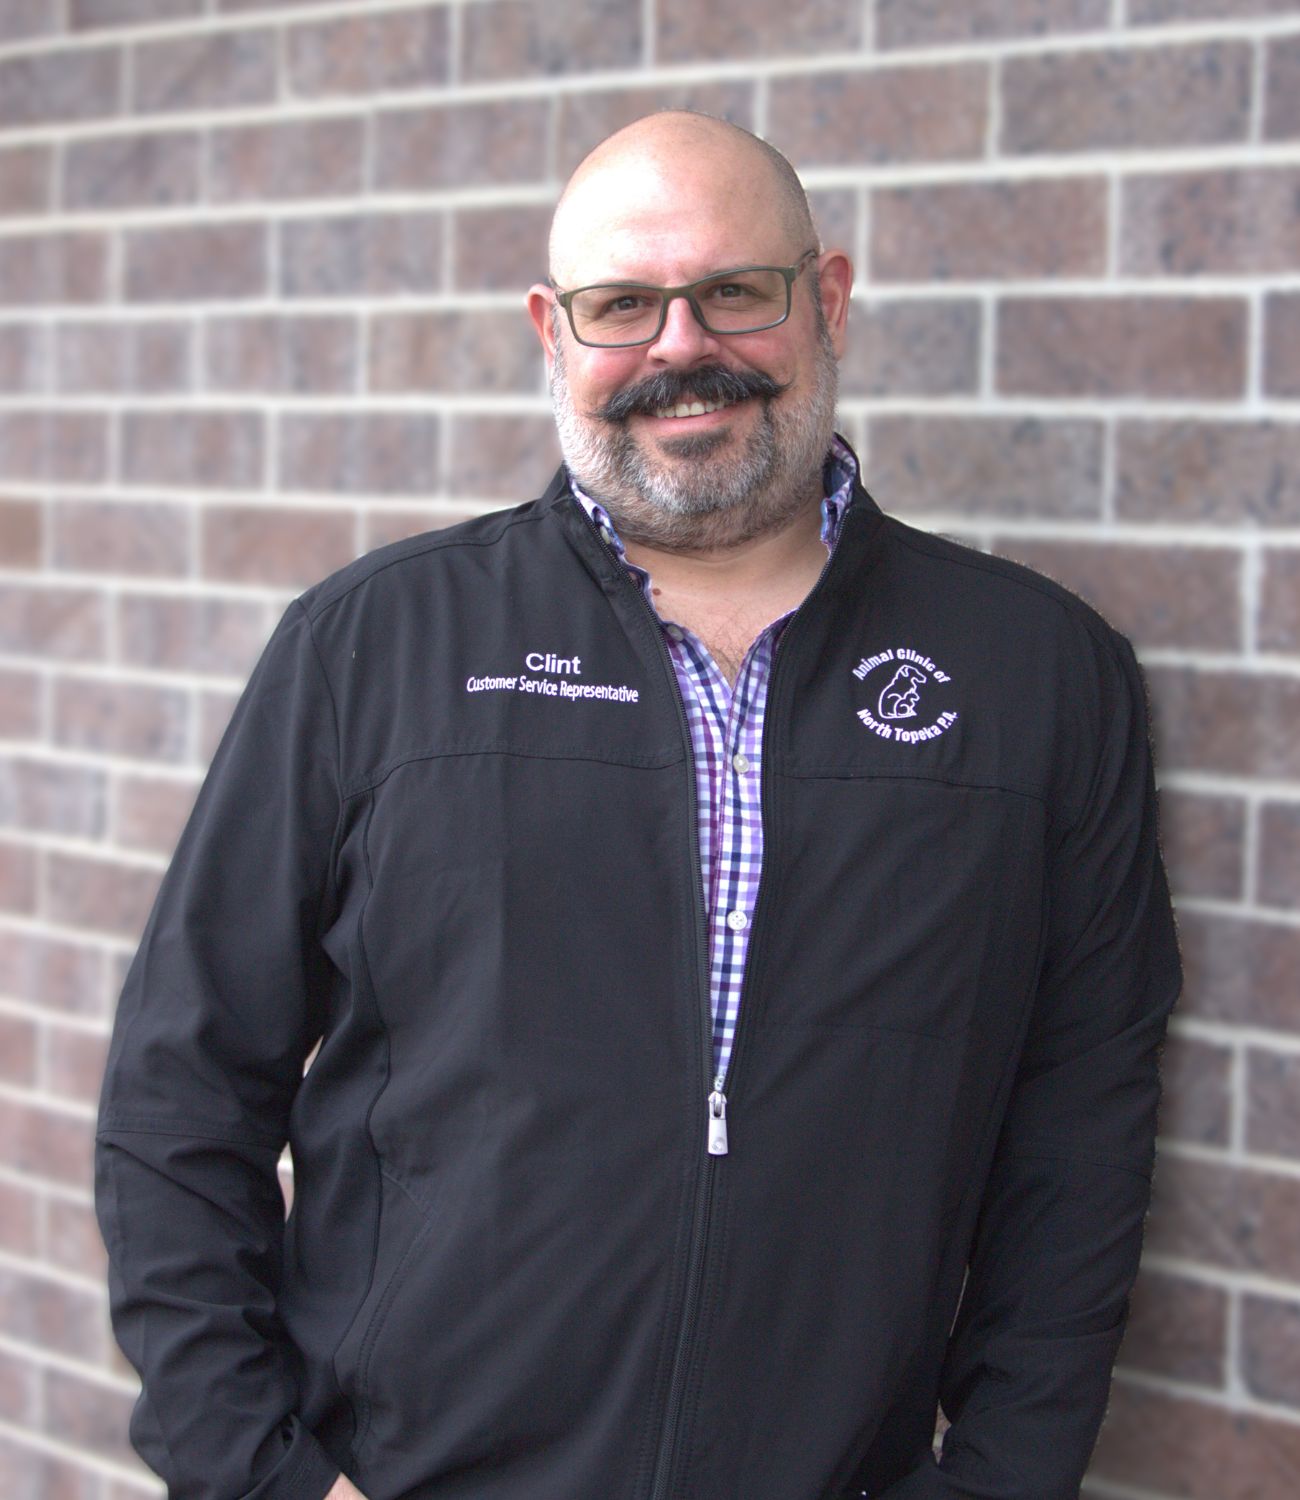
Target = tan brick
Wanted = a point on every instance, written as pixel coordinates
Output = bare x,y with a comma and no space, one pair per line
35,1474
374,453
44,88
290,354
261,544
727,29
46,1143
520,38
92,15
20,704
17,1067
989,230
1228,221
1279,609
1273,1102
51,1314
363,53
69,446
880,116
22,533
1118,100
1218,472
1188,597
58,975
216,71
507,458
498,249
74,1063
99,536
1195,1450
1240,970
52,622
1196,1099
912,347
53,268
384,525
986,466
24,358
921,23
71,1239
1153,12
26,177
587,117
368,255
1173,347
215,710
1282,344
51,797
452,352
196,263
21,20
1202,839
1233,722
223,636
121,718
151,812
131,171
300,159
89,1415
1279,854
17,878
148,356
206,449
453,146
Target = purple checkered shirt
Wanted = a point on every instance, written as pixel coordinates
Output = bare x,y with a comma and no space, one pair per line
726,725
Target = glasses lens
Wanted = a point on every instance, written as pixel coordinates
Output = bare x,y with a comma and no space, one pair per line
740,301
615,314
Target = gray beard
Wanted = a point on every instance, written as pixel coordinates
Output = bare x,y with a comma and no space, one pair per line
709,500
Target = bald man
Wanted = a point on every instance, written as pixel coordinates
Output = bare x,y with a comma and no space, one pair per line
703,941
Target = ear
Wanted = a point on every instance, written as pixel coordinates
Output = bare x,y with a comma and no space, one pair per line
541,305
835,278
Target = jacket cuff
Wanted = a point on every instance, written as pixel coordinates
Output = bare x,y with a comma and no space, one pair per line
305,1472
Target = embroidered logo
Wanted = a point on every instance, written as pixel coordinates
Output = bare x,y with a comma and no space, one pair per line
911,702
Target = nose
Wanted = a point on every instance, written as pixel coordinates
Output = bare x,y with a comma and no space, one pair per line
683,340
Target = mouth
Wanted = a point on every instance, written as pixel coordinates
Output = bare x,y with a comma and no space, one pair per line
691,409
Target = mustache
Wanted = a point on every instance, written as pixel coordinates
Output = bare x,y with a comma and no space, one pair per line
712,383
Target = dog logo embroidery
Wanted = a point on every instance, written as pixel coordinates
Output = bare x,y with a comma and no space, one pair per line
912,702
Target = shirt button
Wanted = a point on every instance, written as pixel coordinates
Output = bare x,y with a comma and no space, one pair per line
676,632
742,763
737,921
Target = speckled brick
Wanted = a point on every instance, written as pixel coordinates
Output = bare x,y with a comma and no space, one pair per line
47,88
17,884
921,23
1219,473
109,357
121,718
1279,608
1153,12
53,268
132,171
1227,721
1239,1219
498,249
273,545
205,262
455,352
102,536
1202,837
1219,222
375,255
69,446
294,355
389,453
1270,1349
1273,1102
22,532
1279,854
1196,1092
1282,344
912,347
206,449
38,796
20,704
526,38
23,20
300,159
455,146
1240,970
506,458
26,174
92,15
220,70
587,117
358,54
726,29
150,811
24,357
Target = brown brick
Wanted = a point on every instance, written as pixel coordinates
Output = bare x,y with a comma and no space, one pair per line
34,1474
1202,838
259,544
1176,1328
384,524
215,710
1282,344
53,268
291,354
921,23
912,347
51,1314
364,53
587,117
1279,854
71,1239
24,358
20,705
52,622
1153,12
520,38
17,1066
95,536
18,1219
1173,347
1188,597
51,797
130,171
450,352
1116,100
1235,1217
1223,473
835,217
368,255
1234,722
67,446
89,1415
989,230
299,159
1270,1350
1240,970
152,356
1195,1450
879,116
223,636
46,1143
392,453
92,15
44,88
22,531
498,249
19,1398
1196,1102
74,1063
195,264
1273,1102
206,449
17,877
986,466
464,145
1227,221
1279,609
26,174
510,458
216,71
151,811
121,718
60,976
247,5
23,19
727,29
1282,106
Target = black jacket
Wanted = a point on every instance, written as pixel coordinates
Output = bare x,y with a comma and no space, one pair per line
512,1271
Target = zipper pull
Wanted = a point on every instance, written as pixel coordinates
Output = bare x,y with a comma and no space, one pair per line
717,1123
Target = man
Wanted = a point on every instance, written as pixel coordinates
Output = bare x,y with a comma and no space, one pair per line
731,930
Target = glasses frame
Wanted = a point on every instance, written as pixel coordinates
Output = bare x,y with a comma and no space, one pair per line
668,293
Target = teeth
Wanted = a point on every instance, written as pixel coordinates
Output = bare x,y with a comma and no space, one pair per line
690,408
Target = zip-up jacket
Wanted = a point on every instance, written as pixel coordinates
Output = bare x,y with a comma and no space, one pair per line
447,851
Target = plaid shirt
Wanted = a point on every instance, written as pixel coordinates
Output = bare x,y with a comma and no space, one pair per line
726,725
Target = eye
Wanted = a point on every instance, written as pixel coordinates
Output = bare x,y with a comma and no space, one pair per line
622,304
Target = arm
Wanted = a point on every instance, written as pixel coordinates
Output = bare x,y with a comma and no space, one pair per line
224,1000
1027,1372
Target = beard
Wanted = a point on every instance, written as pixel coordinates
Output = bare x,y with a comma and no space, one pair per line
710,491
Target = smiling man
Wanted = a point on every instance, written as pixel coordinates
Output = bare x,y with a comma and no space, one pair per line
729,936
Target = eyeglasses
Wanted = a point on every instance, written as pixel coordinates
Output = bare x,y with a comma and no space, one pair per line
620,314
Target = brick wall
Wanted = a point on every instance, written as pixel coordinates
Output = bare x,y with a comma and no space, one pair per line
260,276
